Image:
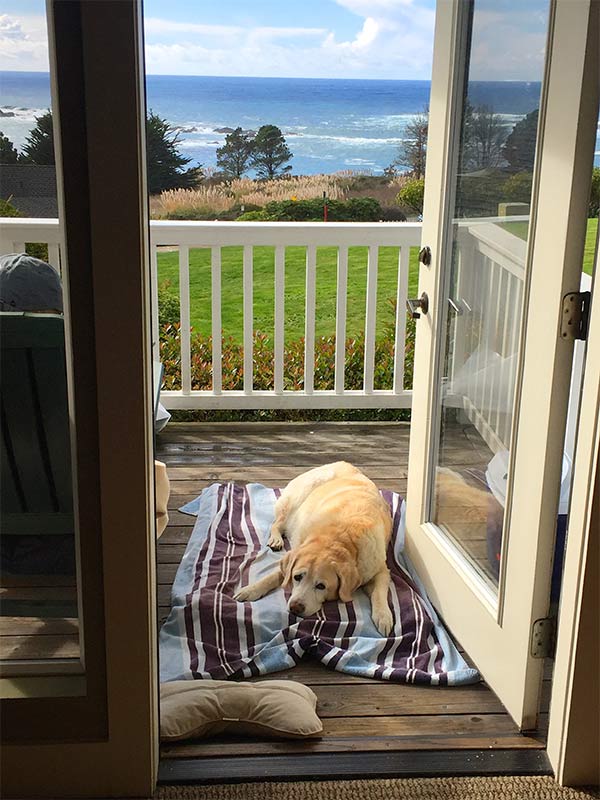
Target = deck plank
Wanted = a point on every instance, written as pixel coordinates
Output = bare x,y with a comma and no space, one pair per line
359,714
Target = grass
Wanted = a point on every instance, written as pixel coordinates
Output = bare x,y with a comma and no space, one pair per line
589,252
295,276
520,229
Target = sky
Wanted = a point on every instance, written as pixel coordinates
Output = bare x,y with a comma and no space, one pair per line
389,39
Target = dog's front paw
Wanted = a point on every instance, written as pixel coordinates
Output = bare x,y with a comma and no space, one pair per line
383,619
247,594
275,541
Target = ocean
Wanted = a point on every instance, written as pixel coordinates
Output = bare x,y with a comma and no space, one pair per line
329,125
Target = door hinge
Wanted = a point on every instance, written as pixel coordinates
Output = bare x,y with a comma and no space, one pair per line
575,313
543,637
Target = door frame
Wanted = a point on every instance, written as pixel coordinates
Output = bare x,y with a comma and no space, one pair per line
568,123
574,733
99,769
96,52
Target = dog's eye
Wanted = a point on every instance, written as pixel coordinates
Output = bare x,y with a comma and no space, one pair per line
298,578
320,586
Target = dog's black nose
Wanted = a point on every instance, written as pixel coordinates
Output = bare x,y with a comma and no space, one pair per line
297,608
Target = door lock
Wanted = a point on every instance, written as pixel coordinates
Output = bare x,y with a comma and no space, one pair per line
415,303
425,256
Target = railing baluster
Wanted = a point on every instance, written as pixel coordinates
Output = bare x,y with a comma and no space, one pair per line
279,316
501,337
184,305
54,256
309,335
370,318
154,301
514,346
340,319
400,338
217,366
490,397
248,321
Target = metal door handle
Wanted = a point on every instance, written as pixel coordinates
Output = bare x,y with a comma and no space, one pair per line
415,303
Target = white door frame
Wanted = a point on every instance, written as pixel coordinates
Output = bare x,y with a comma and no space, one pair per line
489,628
574,731
96,51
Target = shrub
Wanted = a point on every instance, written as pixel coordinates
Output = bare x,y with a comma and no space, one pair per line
37,250
8,210
411,195
168,306
392,214
356,209
253,216
263,359
594,208
518,187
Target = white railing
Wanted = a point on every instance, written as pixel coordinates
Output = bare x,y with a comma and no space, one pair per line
487,293
310,236
184,236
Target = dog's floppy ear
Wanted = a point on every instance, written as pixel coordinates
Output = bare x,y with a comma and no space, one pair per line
349,581
286,565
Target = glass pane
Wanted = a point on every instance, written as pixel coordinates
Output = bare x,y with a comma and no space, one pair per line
38,581
491,187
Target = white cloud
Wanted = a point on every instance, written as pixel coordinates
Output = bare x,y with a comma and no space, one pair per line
394,40
24,42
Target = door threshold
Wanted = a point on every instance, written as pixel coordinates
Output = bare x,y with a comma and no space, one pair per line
341,766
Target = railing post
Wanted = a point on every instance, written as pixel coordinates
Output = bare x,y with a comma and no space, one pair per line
279,317
184,305
216,325
340,319
248,321
309,335
370,319
400,327
154,300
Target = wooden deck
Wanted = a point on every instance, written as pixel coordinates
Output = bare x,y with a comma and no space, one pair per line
359,715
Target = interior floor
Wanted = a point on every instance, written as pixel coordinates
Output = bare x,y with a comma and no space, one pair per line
359,715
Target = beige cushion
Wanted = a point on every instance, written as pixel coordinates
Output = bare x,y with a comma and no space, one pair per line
193,709
162,490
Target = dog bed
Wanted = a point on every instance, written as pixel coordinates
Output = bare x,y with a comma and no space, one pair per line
210,635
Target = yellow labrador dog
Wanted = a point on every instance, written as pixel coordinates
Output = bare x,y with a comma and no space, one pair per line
339,527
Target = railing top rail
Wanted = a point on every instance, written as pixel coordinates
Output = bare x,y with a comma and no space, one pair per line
216,233
353,234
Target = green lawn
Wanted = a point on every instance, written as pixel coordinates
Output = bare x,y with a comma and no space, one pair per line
295,276
520,229
590,245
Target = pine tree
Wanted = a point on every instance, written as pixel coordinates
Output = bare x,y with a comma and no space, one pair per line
39,147
163,159
235,154
270,153
8,152
519,148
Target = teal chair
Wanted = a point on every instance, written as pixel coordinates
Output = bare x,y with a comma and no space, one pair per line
35,460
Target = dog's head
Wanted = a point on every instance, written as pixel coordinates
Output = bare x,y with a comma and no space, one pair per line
316,578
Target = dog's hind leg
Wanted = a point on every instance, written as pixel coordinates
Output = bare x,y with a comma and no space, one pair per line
282,507
377,589
255,591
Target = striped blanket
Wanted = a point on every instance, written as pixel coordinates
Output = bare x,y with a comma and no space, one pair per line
210,635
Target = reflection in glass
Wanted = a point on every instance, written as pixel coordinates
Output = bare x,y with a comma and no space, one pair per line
485,273
38,583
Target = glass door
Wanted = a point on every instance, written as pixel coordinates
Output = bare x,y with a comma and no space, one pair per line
507,180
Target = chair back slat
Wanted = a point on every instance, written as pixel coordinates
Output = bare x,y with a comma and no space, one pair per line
36,460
